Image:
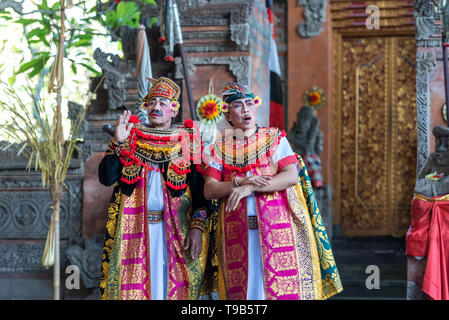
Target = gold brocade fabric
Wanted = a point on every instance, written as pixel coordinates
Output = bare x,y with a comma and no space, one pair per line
297,258
125,260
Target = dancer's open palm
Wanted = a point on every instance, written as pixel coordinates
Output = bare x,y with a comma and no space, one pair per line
123,127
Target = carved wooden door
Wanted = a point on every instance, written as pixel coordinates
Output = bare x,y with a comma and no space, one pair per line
377,135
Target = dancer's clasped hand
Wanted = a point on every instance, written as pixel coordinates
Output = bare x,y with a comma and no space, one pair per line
259,181
238,194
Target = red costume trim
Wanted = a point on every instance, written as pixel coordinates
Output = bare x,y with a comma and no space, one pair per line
171,185
286,161
129,156
214,173
179,170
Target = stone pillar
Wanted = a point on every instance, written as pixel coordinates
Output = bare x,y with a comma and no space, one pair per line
224,42
428,44
430,98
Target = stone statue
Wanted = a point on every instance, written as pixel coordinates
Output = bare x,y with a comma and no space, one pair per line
438,164
426,241
86,259
305,136
306,140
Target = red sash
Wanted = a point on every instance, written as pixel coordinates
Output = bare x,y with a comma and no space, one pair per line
428,236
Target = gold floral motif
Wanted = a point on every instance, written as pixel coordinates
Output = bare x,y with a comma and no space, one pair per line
405,134
282,236
133,295
133,273
111,228
377,134
285,285
282,261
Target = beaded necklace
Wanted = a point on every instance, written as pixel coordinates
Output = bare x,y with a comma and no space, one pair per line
244,154
153,148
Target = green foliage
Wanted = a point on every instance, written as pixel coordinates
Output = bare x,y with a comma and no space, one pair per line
153,20
40,26
35,65
126,13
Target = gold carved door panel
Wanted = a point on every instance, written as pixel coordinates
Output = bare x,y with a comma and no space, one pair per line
377,133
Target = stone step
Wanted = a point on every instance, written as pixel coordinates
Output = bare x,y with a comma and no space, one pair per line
353,256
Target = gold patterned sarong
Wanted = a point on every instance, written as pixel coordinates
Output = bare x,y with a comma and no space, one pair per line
125,261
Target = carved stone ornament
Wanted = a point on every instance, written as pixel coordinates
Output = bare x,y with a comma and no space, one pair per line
17,6
424,19
115,71
238,65
74,110
433,179
240,14
240,33
426,62
86,259
315,14
24,257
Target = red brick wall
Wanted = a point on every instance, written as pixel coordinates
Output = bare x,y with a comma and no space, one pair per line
310,64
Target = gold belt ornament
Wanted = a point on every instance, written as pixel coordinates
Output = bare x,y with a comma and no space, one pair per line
155,216
424,198
252,223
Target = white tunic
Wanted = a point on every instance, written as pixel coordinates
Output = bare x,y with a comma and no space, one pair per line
158,249
255,289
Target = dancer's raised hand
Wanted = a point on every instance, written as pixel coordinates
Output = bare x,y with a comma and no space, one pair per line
123,127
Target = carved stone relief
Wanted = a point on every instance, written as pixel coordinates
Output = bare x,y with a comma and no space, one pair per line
424,19
306,139
24,257
118,77
426,62
238,65
315,14
87,258
25,213
73,113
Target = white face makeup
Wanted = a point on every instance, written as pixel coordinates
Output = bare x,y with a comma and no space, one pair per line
160,112
242,113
